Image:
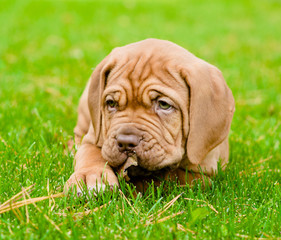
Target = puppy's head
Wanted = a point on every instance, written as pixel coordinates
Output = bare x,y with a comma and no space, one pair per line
159,102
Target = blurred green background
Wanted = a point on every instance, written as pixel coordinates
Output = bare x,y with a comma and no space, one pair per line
48,50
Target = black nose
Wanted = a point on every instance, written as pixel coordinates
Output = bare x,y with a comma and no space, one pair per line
127,142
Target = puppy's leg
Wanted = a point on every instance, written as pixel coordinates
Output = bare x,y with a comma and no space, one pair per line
92,170
84,118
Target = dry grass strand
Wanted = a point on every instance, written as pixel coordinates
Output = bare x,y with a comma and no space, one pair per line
208,204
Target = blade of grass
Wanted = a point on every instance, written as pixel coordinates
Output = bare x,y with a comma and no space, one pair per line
208,204
16,197
165,208
27,202
164,218
85,213
45,216
128,202
26,209
184,229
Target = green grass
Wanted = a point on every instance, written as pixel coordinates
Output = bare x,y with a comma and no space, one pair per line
47,52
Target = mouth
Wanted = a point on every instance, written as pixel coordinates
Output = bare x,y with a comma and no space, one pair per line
131,169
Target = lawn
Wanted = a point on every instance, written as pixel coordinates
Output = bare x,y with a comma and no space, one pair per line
48,50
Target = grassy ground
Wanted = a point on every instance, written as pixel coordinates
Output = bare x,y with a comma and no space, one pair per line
47,52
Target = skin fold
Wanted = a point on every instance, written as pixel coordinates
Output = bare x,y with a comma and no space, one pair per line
156,101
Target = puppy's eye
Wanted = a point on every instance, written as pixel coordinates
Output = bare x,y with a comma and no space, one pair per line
111,104
164,105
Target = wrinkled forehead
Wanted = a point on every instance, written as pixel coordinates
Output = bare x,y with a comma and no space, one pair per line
149,64
137,68
137,75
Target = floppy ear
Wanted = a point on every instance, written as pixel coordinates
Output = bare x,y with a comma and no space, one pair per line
97,85
211,108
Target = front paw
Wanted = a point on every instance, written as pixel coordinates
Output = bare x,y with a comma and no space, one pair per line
93,180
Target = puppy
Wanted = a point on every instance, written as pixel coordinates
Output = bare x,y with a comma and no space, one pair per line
158,102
